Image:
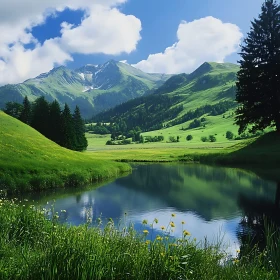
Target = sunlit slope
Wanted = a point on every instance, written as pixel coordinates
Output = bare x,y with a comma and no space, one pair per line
210,84
26,155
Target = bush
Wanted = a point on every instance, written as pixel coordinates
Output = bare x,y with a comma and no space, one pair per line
189,138
229,135
204,139
212,138
172,139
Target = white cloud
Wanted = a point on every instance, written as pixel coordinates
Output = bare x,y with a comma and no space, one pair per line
206,39
104,29
21,64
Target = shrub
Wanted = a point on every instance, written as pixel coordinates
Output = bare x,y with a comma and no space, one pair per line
229,135
189,138
204,139
212,138
172,139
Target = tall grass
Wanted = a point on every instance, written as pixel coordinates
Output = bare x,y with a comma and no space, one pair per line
33,247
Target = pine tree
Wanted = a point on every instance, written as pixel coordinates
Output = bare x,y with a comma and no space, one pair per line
68,138
40,116
79,126
258,79
25,115
55,122
13,109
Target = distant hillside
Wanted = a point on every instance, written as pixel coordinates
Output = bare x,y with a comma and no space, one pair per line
93,88
210,89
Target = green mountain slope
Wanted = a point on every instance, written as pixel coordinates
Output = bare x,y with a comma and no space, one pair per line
92,88
29,161
208,90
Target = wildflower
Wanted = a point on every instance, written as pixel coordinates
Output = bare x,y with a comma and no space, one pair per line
183,222
172,224
63,211
235,261
162,254
185,232
194,239
156,220
145,222
148,242
237,251
145,231
173,215
163,228
159,238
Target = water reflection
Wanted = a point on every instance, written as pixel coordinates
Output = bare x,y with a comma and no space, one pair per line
210,200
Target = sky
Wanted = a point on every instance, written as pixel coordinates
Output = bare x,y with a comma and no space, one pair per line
163,36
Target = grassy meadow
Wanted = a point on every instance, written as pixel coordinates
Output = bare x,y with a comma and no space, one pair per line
33,247
31,162
263,150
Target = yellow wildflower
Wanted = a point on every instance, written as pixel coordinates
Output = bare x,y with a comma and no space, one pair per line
145,231
172,224
145,222
173,215
163,228
185,232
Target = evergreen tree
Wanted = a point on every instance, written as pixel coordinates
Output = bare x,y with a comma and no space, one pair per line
40,116
25,115
13,109
79,126
258,79
55,122
68,139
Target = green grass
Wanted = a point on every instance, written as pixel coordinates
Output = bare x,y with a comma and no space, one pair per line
29,161
35,248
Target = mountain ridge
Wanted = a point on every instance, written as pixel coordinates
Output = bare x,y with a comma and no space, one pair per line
93,88
210,89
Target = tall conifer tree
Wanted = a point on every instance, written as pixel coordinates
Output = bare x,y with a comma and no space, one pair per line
55,122
25,115
258,80
68,131
79,126
40,116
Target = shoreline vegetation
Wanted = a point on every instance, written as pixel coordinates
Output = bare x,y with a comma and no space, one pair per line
34,247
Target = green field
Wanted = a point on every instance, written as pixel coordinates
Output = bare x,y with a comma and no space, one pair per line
29,161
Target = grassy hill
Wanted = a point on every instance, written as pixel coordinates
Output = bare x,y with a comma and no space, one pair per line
29,161
92,88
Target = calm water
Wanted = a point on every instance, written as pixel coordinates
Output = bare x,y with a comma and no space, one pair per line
212,201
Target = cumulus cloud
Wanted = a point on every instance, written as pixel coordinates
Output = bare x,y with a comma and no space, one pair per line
104,29
206,39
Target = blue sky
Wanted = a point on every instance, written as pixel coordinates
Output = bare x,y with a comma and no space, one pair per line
168,36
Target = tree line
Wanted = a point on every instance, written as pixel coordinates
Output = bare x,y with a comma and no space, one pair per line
58,125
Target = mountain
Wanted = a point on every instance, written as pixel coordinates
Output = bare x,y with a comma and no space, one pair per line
93,88
210,89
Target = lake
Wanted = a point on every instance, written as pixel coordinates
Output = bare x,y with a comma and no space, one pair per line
213,202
